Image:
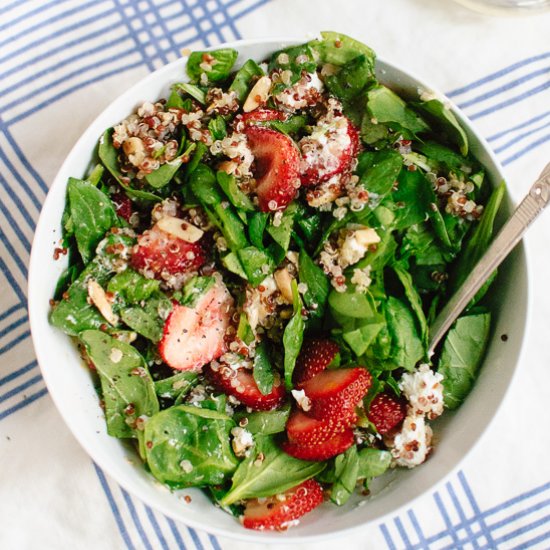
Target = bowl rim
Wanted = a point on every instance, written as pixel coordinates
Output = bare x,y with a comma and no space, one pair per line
243,534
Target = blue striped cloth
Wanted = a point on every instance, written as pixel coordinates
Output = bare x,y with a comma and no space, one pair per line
63,61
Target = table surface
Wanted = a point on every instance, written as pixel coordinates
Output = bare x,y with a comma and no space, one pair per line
63,61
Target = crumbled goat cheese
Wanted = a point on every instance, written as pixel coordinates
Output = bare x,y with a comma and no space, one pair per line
424,391
186,466
303,401
261,302
410,447
361,279
356,244
325,193
242,441
116,355
306,92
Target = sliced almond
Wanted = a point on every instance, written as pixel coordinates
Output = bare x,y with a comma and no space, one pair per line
180,229
284,283
228,166
293,257
258,95
99,299
135,150
367,236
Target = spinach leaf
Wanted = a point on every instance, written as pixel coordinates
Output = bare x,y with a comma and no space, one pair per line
92,214
379,171
461,355
263,371
387,107
194,91
244,330
291,125
140,195
176,387
127,387
480,239
195,288
94,177
445,159
281,233
109,155
243,78
275,474
232,263
256,228
175,101
265,422
163,175
347,469
412,199
236,197
294,59
256,263
352,78
217,127
293,336
351,305
372,463
224,59
200,151
361,338
420,243
148,319
132,287
188,446
338,49
445,122
318,285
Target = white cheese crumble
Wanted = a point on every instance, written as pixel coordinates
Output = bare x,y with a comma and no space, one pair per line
303,401
413,443
242,441
186,466
424,391
361,279
116,355
307,91
356,244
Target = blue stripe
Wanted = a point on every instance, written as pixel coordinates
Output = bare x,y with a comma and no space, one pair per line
74,88
498,74
135,519
511,101
22,387
422,543
513,141
28,15
15,226
526,150
9,311
166,32
521,514
13,326
156,527
148,28
402,532
475,507
195,538
446,519
18,372
228,21
517,499
518,127
114,508
523,529
463,520
533,541
15,341
504,88
194,23
66,77
27,401
176,533
46,22
250,8
11,6
56,34
214,542
7,273
64,64
387,536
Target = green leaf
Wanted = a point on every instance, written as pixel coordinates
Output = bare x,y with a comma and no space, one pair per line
317,282
92,215
338,49
132,287
195,288
163,175
127,387
265,422
140,195
413,199
387,107
445,122
263,370
176,387
256,263
243,78
445,159
236,197
461,356
244,330
175,101
148,319
194,91
300,58
352,78
188,446
293,336
224,59
109,155
256,228
347,469
290,126
372,463
361,338
96,174
378,171
282,232
275,474
200,151
232,263
217,127
351,304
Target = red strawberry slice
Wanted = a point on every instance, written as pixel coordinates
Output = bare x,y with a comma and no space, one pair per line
316,354
263,115
241,384
305,430
195,336
322,451
387,412
159,253
336,392
329,150
277,512
277,167
123,205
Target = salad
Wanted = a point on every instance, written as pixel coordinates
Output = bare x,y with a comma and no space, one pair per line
253,266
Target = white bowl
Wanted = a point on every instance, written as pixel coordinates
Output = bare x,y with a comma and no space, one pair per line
71,388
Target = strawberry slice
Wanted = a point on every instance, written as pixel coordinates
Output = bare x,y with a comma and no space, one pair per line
158,252
305,430
316,354
328,151
277,512
241,384
322,451
277,167
263,115
387,412
123,205
336,392
195,336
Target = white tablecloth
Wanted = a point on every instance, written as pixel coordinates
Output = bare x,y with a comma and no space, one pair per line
63,61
